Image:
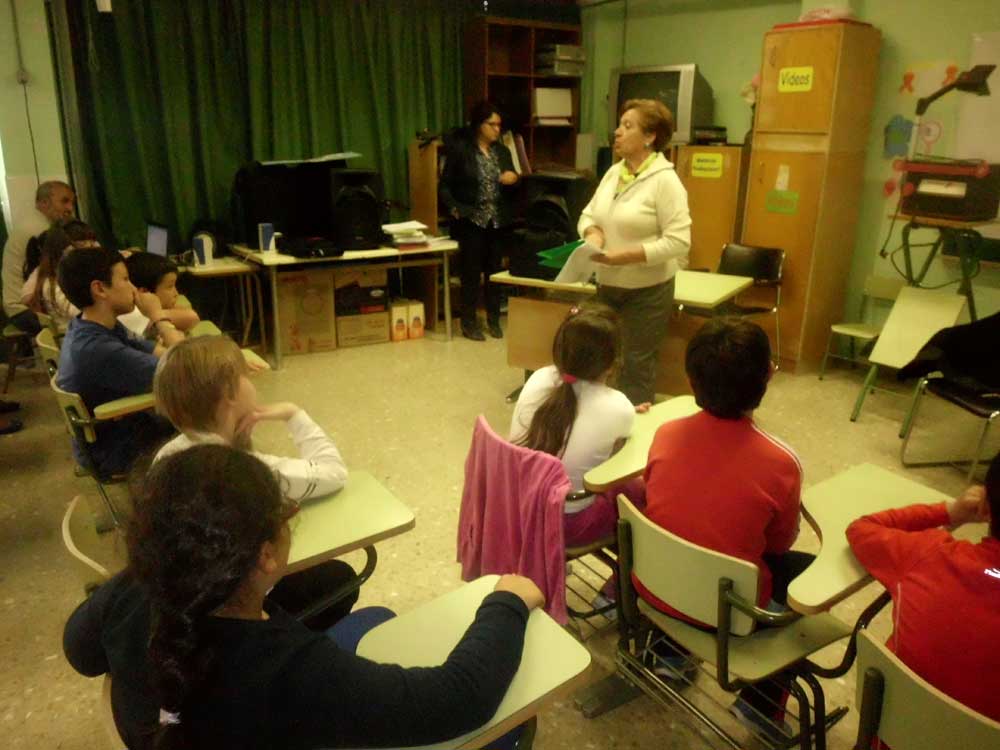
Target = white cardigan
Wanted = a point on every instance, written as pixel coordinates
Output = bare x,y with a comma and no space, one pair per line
653,212
319,471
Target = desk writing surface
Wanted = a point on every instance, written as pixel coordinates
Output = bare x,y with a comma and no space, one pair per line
219,267
830,507
692,288
630,461
280,259
426,635
916,315
360,514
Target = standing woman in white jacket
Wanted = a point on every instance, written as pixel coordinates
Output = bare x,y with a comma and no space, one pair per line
639,218
201,386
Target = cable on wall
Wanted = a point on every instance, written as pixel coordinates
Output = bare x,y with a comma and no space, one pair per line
22,78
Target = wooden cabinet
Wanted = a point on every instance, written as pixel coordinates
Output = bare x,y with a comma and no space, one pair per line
806,168
424,168
499,60
715,179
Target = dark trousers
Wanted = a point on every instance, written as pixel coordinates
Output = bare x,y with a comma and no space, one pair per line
481,255
27,321
645,314
769,697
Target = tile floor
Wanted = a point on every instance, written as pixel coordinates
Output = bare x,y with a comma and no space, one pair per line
404,412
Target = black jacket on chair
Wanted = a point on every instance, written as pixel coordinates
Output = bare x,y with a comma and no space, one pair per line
969,352
459,186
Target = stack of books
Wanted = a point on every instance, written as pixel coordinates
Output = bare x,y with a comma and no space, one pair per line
407,235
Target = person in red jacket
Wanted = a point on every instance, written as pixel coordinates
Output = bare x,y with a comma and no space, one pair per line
718,480
945,591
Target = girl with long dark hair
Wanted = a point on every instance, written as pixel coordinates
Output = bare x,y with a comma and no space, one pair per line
568,410
199,658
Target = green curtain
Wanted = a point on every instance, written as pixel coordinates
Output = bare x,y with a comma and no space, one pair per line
175,95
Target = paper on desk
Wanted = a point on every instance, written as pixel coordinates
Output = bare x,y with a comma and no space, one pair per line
580,266
403,227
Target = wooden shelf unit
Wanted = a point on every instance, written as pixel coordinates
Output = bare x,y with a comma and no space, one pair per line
499,57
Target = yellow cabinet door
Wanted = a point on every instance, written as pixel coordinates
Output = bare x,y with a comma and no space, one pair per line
798,75
713,177
782,205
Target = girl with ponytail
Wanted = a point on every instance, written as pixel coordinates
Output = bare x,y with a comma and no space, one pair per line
199,658
568,410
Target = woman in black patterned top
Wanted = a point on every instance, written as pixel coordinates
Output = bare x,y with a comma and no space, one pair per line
478,174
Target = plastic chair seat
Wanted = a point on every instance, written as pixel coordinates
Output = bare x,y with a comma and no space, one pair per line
587,549
11,331
856,330
761,654
982,403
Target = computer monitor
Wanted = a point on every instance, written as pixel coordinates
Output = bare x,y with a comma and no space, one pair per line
681,87
156,239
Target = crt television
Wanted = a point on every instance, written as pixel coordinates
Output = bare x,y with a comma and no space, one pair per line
681,87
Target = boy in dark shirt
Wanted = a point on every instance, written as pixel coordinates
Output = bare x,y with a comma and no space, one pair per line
101,361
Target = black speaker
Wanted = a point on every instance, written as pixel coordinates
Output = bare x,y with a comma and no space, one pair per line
357,208
572,189
293,196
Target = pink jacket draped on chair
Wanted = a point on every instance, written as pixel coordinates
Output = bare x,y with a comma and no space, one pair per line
511,520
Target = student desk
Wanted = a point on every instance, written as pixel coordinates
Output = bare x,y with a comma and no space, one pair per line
248,288
830,507
533,321
552,664
355,517
630,461
434,255
916,315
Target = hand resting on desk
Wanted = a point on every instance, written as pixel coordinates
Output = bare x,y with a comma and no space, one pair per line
524,588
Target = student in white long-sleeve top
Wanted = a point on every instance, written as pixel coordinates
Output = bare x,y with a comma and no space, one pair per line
201,386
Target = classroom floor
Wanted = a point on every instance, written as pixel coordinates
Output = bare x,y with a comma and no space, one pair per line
404,412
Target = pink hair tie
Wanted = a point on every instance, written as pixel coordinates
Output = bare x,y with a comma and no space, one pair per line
567,378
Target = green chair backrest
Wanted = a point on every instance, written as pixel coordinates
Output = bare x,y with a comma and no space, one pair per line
685,575
914,714
70,404
46,343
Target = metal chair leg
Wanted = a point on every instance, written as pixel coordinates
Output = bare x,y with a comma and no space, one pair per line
911,417
974,463
869,381
826,355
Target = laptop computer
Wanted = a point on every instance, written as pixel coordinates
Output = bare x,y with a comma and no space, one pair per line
156,239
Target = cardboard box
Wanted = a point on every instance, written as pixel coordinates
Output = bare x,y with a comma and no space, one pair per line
415,320
359,292
399,319
358,330
305,308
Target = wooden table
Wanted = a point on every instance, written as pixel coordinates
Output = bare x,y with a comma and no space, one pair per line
533,321
552,664
435,254
631,460
248,288
830,507
356,517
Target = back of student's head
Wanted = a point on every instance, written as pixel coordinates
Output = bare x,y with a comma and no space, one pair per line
193,377
728,363
993,494
586,347
78,269
146,270
199,521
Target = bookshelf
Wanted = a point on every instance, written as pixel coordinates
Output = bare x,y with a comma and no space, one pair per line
499,62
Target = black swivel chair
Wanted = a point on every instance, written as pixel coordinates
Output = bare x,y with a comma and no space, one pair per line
764,265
